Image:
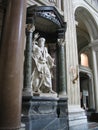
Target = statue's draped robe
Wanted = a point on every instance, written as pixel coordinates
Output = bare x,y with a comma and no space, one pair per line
41,76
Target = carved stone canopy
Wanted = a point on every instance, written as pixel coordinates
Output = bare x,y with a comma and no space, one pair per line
47,21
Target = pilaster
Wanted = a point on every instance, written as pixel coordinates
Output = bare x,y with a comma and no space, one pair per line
77,115
73,89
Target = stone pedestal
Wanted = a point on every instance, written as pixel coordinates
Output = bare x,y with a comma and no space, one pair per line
77,118
46,113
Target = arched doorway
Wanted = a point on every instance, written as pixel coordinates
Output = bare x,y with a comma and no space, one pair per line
84,90
86,83
86,33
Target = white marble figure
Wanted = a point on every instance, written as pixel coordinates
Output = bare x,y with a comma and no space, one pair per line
41,76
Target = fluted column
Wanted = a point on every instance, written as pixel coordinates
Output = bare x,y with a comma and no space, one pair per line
61,68
73,89
95,68
11,65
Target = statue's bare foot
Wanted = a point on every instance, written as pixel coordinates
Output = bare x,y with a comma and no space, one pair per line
37,92
53,92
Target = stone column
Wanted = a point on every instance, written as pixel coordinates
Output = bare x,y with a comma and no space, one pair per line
91,92
61,68
52,48
27,90
95,68
11,65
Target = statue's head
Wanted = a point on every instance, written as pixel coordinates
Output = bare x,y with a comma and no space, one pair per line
41,42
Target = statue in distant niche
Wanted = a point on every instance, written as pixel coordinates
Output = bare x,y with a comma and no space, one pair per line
41,76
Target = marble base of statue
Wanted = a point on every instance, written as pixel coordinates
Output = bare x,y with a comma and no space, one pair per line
45,112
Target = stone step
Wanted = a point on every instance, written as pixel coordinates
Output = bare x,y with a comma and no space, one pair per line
92,126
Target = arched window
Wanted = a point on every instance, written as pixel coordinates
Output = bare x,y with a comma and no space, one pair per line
84,60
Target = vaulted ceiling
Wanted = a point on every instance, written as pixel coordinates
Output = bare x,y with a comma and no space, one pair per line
83,37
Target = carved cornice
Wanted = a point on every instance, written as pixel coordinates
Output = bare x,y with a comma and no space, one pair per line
47,21
46,12
85,69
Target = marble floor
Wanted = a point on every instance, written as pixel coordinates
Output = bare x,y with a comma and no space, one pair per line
87,126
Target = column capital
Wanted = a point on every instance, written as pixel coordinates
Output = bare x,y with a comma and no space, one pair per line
90,75
30,28
61,41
